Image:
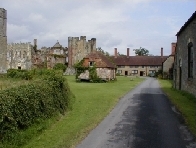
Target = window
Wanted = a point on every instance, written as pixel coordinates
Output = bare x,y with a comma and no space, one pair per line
134,71
136,66
142,66
91,63
131,66
190,60
152,71
119,71
120,66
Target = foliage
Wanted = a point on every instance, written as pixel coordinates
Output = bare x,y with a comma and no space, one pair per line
58,56
92,103
18,73
141,52
22,106
59,66
80,68
184,102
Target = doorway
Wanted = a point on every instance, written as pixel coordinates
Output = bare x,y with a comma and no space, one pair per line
126,73
141,73
180,78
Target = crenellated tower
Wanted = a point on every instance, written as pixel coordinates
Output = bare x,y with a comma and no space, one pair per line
78,48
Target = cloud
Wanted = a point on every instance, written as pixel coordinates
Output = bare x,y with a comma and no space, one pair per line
150,24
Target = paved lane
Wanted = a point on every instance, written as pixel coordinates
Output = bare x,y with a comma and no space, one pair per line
142,119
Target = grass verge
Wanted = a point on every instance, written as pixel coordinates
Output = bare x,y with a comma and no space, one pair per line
93,101
184,102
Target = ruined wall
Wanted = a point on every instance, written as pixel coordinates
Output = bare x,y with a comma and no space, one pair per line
79,48
20,56
3,40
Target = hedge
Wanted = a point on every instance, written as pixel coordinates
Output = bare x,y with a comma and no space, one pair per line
23,106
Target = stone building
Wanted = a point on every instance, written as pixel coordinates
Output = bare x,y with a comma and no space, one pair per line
169,63
106,70
138,65
56,54
185,57
20,55
79,48
3,40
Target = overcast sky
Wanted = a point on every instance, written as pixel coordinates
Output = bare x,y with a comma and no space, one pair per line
150,24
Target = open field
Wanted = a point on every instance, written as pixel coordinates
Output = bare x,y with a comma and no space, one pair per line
93,101
184,102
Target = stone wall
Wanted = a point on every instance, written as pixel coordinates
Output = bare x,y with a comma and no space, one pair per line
3,40
181,59
168,64
79,48
20,56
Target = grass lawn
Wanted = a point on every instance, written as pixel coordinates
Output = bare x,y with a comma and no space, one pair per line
184,102
93,101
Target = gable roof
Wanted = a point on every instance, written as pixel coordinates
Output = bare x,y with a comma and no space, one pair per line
100,59
139,60
57,45
187,23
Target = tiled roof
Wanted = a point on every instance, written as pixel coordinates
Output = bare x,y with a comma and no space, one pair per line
57,45
187,23
100,59
139,60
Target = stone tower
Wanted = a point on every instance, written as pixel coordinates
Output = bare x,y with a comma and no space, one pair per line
3,40
79,48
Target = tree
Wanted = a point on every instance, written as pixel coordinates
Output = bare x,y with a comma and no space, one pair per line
141,52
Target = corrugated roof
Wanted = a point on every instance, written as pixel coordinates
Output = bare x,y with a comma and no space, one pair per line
186,23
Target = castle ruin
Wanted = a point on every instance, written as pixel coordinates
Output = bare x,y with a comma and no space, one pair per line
79,48
27,56
3,40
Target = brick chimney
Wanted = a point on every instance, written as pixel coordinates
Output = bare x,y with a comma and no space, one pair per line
173,48
115,52
127,52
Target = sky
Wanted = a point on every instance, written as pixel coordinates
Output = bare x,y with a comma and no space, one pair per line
121,24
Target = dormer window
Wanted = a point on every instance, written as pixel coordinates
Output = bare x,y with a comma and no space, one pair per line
91,63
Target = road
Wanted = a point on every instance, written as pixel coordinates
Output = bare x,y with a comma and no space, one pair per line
143,118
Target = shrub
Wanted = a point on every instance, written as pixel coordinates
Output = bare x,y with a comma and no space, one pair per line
22,106
59,66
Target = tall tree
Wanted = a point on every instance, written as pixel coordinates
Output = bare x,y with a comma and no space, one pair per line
141,52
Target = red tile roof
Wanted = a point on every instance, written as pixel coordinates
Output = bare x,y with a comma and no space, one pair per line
100,59
139,60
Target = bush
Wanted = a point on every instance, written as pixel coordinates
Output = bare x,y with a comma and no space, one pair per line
22,106
18,73
59,66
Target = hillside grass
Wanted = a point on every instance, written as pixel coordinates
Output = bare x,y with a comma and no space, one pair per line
184,102
93,101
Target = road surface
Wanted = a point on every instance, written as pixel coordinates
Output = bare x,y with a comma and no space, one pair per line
143,118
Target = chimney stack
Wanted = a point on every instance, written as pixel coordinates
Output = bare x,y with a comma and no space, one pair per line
127,52
173,48
161,51
115,52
